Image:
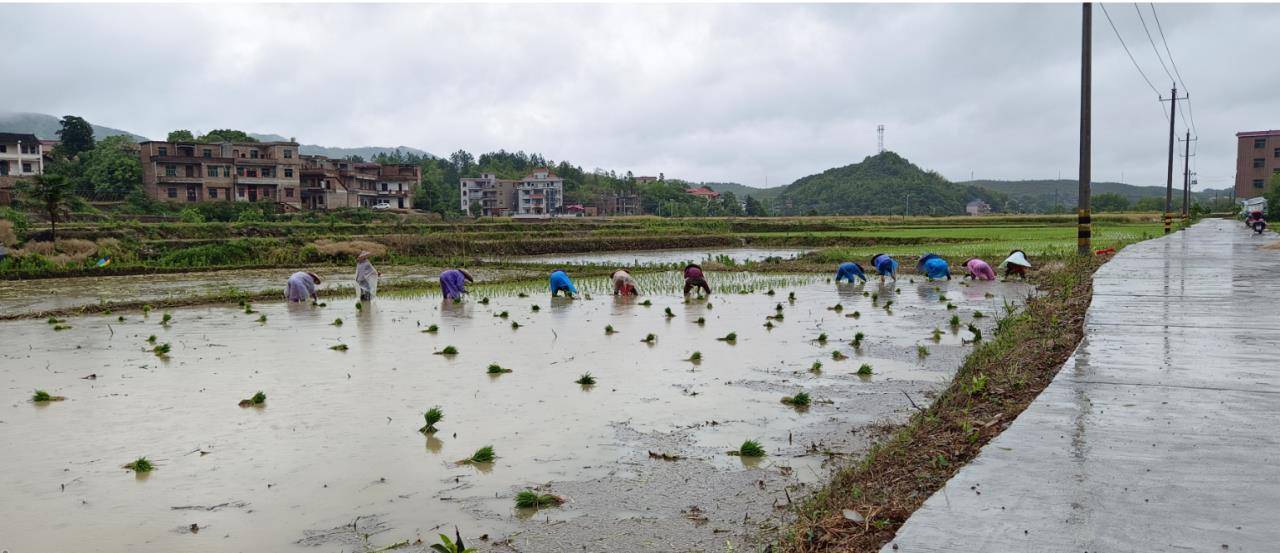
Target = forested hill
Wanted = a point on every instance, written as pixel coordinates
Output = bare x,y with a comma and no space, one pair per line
46,127
879,185
1044,195
336,152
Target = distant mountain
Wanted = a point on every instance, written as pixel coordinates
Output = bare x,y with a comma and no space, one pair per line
880,184
742,190
46,127
366,152
1043,195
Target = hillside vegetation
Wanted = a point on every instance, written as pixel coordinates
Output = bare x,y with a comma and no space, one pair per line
880,184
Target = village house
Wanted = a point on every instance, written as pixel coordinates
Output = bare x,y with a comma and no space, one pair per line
239,171
21,156
703,192
539,194
337,183
977,207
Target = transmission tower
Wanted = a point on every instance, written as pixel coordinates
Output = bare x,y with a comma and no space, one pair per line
880,138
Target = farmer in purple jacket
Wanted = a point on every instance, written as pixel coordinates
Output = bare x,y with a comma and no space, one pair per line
693,278
453,283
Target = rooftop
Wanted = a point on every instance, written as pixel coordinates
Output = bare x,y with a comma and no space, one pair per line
13,137
1248,134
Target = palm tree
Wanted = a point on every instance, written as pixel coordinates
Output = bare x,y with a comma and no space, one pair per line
53,193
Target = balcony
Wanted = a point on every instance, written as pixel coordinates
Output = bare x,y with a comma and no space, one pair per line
259,181
175,179
189,160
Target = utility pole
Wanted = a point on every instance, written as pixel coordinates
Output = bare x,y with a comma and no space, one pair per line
1168,185
1083,224
880,138
1186,179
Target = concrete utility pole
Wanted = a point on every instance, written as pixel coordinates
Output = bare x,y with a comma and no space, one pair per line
1168,185
1186,179
1083,225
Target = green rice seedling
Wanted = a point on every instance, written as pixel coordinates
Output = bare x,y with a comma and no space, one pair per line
529,499
41,396
151,339
977,333
537,307
950,306
451,546
822,338
140,466
837,308
837,356
646,303
161,350
241,302
432,329
649,339
359,306
942,297
865,370
482,455
522,295
262,318
701,320
770,292
515,325
320,304
888,305
989,295
166,319
978,315
503,315
865,293
248,309
777,317
52,320
448,350
61,327
608,329
922,351
936,335
709,306
855,314
857,339
336,322
955,320
668,313
791,296
801,399
749,448
731,337
257,399
484,301
768,324
339,347
778,308
897,290
495,368
432,416
695,357
146,310
875,296
586,379
120,319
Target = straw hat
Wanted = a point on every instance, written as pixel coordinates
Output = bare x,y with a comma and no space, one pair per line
1017,257
363,256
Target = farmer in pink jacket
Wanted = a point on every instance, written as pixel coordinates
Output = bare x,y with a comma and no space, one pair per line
978,269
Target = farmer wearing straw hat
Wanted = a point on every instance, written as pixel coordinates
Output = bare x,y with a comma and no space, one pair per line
623,284
885,265
1016,264
934,267
850,271
453,283
301,287
978,269
366,277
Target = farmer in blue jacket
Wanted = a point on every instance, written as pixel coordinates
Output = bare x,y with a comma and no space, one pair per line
885,265
560,283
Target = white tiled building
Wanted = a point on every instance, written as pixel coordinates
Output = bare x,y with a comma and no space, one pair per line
21,155
539,194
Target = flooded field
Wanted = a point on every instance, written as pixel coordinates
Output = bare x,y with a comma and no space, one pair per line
658,257
333,460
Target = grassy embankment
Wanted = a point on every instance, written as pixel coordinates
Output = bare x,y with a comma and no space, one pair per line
997,381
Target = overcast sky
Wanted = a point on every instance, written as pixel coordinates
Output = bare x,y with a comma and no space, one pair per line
710,93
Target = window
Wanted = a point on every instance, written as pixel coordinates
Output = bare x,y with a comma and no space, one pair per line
240,173
213,170
213,192
173,192
288,153
288,173
240,191
253,154
3,148
1257,183
1259,143
28,149
288,192
1259,162
206,152
1277,152
170,170
26,167
162,150
251,173
226,171
266,172
191,194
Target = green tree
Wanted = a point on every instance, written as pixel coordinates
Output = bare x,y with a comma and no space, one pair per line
113,169
1149,203
475,209
52,194
181,135
1108,202
226,135
729,204
1272,196
76,136
755,208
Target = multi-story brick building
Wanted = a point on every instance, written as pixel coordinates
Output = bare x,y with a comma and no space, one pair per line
1257,159
239,171
21,155
335,183
539,194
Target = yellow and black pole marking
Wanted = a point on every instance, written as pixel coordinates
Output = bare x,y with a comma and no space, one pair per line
1084,233
1168,221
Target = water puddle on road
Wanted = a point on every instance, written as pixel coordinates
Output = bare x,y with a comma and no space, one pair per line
336,444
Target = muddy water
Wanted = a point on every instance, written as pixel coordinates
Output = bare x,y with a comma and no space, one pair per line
658,257
337,443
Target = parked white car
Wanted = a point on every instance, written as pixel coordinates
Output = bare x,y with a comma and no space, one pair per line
382,205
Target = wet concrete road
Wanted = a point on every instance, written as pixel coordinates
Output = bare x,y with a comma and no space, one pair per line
1159,434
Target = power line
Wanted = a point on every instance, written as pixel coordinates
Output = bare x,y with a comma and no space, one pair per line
1131,58
1183,82
1152,41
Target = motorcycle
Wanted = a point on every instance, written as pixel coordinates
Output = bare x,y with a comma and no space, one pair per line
1256,222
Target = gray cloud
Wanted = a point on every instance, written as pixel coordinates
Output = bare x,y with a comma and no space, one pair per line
705,92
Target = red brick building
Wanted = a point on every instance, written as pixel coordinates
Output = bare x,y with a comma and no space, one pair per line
229,171
1257,159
